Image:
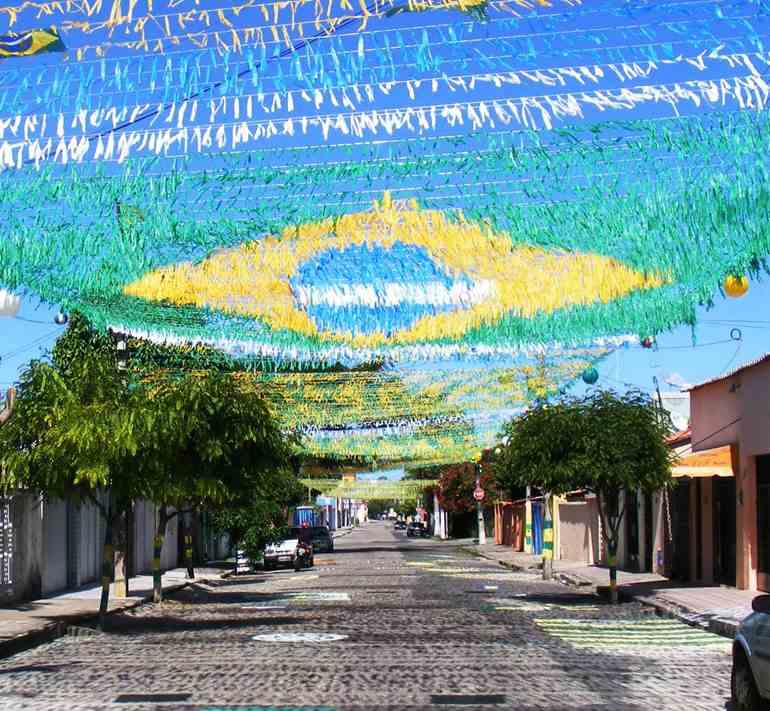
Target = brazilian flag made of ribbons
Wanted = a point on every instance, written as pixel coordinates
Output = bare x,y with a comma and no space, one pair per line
31,42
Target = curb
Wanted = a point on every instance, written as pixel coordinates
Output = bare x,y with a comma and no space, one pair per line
722,626
504,563
54,630
344,532
573,579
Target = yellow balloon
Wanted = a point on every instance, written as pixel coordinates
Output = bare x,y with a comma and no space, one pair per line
736,286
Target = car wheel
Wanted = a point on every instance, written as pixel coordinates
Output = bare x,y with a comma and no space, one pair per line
742,685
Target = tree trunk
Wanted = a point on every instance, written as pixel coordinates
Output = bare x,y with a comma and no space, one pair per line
188,544
611,514
108,559
547,539
157,549
612,562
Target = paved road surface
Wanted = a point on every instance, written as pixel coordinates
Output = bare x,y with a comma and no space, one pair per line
411,624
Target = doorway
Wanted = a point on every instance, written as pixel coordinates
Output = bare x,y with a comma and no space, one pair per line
724,530
763,522
678,543
632,531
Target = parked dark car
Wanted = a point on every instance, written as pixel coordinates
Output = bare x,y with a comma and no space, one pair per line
416,529
321,539
294,551
399,525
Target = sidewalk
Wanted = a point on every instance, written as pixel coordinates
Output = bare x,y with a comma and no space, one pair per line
716,608
340,532
28,623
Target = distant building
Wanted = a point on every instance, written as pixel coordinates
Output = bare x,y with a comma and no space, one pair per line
678,406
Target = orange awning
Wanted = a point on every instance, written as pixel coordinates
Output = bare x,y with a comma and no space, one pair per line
711,462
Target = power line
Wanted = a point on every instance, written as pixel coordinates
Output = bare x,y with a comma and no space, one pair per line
28,346
715,432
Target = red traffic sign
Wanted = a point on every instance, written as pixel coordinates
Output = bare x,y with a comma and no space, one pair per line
478,494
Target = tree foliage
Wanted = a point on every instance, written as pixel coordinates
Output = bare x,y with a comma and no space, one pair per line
602,442
261,517
456,486
76,430
215,440
192,440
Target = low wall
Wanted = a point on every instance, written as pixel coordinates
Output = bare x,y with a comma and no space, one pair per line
579,537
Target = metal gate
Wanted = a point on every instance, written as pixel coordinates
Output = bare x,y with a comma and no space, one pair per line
537,527
6,547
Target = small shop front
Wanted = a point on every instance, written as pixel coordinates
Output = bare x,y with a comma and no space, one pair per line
703,513
731,412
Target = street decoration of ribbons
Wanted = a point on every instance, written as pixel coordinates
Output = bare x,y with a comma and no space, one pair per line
465,277
30,43
439,199
365,490
277,22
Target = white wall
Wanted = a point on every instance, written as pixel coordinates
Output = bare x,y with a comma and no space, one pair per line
90,543
144,533
55,549
57,545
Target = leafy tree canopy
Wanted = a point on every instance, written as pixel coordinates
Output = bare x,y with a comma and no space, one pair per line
80,424
602,442
76,429
457,483
215,440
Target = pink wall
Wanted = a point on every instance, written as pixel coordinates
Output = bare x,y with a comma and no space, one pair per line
712,408
744,397
755,417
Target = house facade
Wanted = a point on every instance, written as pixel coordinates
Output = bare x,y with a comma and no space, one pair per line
712,526
732,413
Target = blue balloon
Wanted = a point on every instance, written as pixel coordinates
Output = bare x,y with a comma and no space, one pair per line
590,375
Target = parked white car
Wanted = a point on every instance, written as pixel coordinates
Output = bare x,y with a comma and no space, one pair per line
750,680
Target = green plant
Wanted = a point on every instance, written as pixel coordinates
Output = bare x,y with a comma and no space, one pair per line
260,518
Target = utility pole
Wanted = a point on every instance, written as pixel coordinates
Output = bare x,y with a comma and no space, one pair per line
123,530
478,494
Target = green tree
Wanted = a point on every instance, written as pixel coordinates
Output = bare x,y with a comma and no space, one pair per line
602,442
77,432
216,444
197,440
261,517
456,485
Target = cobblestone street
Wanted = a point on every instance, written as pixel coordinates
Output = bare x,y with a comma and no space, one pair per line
383,622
